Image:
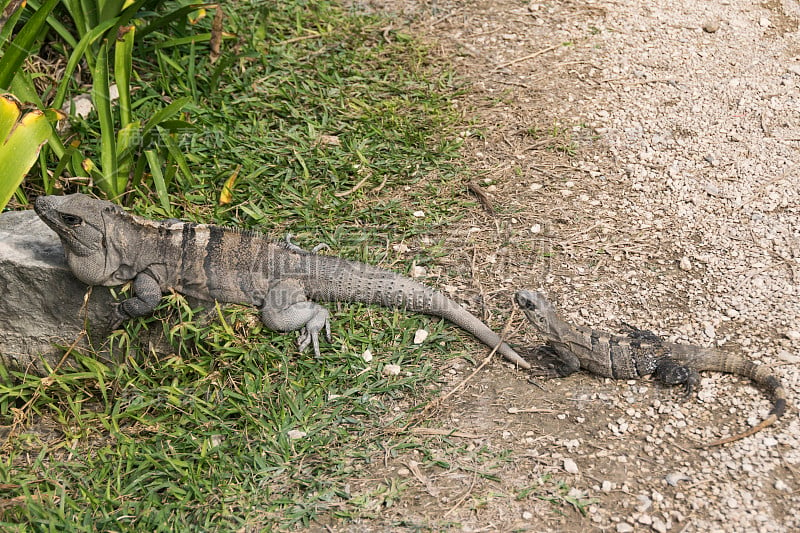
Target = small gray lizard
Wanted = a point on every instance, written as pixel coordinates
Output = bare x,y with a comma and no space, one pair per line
640,353
104,245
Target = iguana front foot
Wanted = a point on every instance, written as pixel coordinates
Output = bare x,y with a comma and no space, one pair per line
556,368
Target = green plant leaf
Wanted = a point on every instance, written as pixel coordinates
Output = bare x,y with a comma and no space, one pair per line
158,179
20,144
165,20
102,103
123,65
75,57
20,48
9,115
11,21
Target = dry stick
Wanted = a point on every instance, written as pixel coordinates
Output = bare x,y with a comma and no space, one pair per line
297,39
444,17
477,281
463,498
377,189
525,58
441,399
445,433
354,189
483,198
21,413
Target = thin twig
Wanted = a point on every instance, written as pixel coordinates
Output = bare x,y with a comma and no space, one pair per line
466,494
301,38
441,399
354,189
527,57
483,198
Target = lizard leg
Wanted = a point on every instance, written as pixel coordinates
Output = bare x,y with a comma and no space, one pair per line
551,365
673,373
643,334
147,294
568,360
286,308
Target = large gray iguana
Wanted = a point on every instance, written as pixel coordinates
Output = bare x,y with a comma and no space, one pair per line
105,245
641,353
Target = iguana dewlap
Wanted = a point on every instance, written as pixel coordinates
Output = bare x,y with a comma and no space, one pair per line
104,245
641,353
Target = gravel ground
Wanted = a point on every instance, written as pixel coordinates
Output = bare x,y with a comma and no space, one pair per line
643,159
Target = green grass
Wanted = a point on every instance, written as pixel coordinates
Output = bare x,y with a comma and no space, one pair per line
200,438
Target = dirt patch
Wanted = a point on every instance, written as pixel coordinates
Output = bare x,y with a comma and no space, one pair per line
642,159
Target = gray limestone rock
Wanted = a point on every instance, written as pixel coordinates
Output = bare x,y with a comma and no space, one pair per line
41,303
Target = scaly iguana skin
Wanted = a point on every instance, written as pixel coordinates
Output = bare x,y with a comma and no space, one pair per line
641,353
104,245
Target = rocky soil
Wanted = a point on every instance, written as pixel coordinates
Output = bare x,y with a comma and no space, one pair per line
643,161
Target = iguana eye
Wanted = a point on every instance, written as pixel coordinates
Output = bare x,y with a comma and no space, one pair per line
71,220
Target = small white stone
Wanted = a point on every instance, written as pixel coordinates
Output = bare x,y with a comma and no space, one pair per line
570,466
764,22
645,503
535,186
624,527
391,370
400,248
709,330
295,434
607,486
793,335
404,472
420,336
419,214
645,519
732,503
781,485
769,442
674,477
367,355
536,228
418,271
576,493
787,356
686,263
659,525
527,515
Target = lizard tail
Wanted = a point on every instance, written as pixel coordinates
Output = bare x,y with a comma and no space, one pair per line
735,364
340,280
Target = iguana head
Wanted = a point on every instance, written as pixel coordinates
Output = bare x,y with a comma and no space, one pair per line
542,315
83,224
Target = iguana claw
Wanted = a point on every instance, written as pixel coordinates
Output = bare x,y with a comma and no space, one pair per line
117,317
309,335
295,248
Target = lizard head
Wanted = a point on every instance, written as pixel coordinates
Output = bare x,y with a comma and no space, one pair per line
542,314
82,223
